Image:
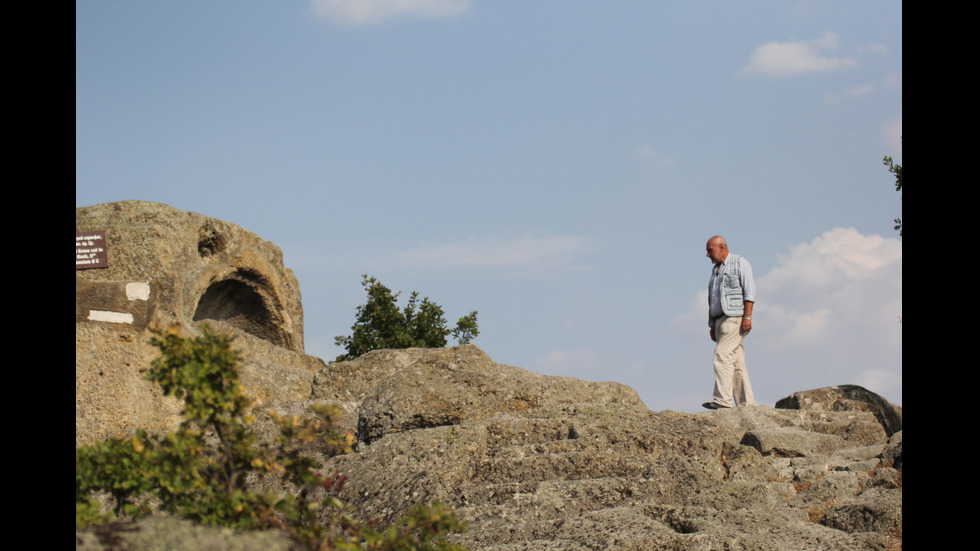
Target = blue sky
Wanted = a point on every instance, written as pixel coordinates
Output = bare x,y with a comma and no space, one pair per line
556,165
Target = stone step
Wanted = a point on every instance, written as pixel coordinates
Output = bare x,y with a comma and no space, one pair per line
539,513
572,465
508,430
562,497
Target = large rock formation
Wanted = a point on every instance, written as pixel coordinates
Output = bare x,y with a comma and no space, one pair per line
167,266
531,462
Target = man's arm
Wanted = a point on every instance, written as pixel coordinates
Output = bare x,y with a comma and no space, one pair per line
748,293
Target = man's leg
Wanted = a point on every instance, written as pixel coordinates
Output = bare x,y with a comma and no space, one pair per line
741,386
728,343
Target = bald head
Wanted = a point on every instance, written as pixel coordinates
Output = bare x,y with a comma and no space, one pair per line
717,249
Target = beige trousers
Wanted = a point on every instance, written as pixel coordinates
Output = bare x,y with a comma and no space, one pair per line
731,376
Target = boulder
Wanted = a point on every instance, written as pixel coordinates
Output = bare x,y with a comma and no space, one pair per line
874,510
165,267
846,398
421,388
193,268
892,454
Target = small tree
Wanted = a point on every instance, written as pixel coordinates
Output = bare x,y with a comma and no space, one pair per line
897,171
466,328
380,324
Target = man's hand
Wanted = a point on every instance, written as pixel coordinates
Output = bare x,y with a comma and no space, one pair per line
746,324
747,317
711,333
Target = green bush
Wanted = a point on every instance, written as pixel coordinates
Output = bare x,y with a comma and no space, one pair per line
380,324
200,470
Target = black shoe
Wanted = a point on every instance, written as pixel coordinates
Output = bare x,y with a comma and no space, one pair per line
712,405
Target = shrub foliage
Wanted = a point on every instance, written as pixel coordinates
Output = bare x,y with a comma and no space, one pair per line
381,324
200,470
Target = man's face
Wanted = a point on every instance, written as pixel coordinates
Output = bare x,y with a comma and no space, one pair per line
716,252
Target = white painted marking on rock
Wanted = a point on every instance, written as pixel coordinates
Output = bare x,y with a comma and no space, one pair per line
111,317
138,290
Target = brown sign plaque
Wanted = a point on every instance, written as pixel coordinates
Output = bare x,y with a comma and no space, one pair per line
91,250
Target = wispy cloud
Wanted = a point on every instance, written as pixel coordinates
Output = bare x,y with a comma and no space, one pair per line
655,156
521,253
794,58
852,92
893,80
881,49
891,137
361,13
889,82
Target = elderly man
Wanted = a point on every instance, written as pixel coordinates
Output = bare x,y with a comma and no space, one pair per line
731,296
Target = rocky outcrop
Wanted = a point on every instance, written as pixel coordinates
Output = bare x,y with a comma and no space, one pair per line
847,398
167,266
554,463
398,390
194,267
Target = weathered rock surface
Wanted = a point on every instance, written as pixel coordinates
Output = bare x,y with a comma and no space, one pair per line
171,534
167,266
847,398
196,267
437,387
588,466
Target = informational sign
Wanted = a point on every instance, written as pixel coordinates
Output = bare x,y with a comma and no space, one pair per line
91,250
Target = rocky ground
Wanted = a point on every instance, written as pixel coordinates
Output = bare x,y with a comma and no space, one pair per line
534,462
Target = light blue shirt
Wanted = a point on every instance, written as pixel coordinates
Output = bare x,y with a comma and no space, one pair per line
745,280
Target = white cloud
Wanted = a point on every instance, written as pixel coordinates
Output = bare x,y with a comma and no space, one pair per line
830,312
840,281
841,252
522,253
792,58
369,12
